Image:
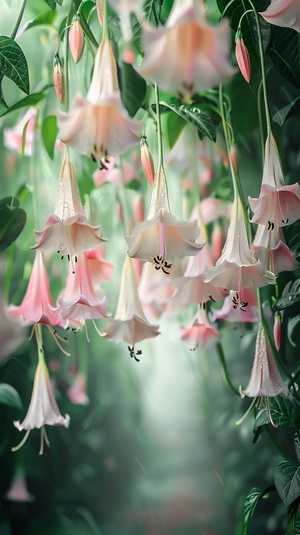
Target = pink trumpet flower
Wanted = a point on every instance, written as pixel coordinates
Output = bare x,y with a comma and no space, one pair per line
284,13
77,392
237,268
270,248
186,55
201,333
43,409
162,239
278,205
37,304
67,231
265,380
130,323
236,310
115,172
99,125
13,137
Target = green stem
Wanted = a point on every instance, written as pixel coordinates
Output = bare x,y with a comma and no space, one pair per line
263,67
39,339
159,132
105,33
124,201
18,21
225,370
197,196
8,271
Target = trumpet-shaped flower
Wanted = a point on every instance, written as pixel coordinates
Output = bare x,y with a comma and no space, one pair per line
115,174
98,125
77,392
278,204
43,409
283,13
37,304
130,323
13,137
67,231
200,333
237,310
265,380
162,239
186,55
270,248
237,268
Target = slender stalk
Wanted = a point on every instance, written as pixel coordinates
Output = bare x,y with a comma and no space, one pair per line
159,131
124,202
225,370
105,21
8,271
18,21
197,196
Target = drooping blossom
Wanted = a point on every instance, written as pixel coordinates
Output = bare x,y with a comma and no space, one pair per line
237,310
237,268
115,172
265,380
18,491
76,39
43,409
78,301
162,238
284,13
77,392
37,306
270,248
278,204
99,125
186,55
129,323
100,270
199,332
67,231
13,135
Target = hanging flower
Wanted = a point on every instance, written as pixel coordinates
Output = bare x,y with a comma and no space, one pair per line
115,172
201,333
67,231
237,268
98,125
13,137
237,310
130,323
77,392
162,239
270,248
265,380
37,304
43,409
278,204
242,57
187,55
283,13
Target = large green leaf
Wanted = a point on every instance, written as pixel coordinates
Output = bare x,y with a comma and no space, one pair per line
84,14
49,134
31,100
51,4
287,481
133,88
290,295
195,115
284,52
13,63
283,412
12,221
292,330
9,396
250,504
44,19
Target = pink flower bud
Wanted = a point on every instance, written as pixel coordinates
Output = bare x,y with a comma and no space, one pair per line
147,163
76,39
242,57
59,80
277,330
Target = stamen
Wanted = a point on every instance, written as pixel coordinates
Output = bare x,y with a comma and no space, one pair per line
16,448
239,422
43,438
56,337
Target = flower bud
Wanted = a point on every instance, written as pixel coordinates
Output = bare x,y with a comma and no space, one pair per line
59,79
277,330
147,163
76,39
242,57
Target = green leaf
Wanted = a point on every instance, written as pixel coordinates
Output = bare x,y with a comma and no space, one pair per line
250,504
84,15
31,100
287,481
292,331
12,221
51,4
9,396
193,114
283,412
281,115
284,52
290,295
175,125
13,63
133,88
44,19
49,134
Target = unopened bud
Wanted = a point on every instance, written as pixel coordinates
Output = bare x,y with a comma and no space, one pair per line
147,163
59,79
76,39
242,57
277,330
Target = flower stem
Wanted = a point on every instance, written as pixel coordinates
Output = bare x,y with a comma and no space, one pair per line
39,340
159,132
105,33
197,196
124,201
18,21
225,369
